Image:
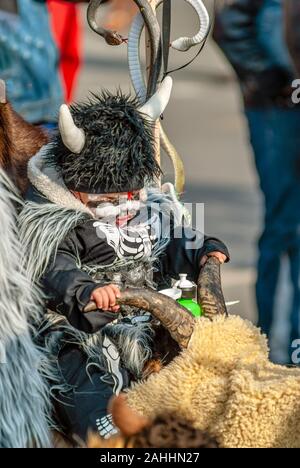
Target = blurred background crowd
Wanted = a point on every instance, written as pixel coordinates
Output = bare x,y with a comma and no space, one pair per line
232,118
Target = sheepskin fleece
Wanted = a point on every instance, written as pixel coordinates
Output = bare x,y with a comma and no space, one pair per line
24,402
224,383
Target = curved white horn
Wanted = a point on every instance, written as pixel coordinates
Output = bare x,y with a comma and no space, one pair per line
156,105
72,136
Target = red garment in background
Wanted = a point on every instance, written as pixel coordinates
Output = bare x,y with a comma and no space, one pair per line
66,28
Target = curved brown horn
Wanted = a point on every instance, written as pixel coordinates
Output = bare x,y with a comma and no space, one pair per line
210,294
176,319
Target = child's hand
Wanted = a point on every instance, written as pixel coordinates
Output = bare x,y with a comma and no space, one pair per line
106,297
220,256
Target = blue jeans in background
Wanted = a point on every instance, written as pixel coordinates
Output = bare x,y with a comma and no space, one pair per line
275,137
29,62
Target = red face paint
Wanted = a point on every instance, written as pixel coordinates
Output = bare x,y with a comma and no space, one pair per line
129,196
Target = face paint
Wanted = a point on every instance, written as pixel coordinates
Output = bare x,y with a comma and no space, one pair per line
115,207
108,210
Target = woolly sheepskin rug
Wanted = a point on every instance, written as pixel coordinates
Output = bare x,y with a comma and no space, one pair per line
224,383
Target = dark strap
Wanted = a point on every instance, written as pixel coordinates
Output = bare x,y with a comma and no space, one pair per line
189,62
166,33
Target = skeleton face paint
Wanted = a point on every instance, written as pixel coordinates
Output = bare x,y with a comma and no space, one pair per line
115,208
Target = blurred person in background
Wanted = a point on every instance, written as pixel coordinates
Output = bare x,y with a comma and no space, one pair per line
292,16
251,35
30,59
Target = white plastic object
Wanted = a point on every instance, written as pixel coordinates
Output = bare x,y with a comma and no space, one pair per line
183,282
173,293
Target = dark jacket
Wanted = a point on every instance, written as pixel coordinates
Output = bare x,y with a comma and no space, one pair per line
251,35
29,61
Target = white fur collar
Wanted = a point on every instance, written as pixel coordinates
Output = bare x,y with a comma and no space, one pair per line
47,181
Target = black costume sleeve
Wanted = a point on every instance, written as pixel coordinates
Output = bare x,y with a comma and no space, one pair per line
69,288
185,251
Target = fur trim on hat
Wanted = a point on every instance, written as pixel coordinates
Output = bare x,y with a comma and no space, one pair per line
48,182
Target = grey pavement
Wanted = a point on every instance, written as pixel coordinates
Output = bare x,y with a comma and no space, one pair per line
204,120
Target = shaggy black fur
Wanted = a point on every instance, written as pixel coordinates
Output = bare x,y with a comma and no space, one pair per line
119,152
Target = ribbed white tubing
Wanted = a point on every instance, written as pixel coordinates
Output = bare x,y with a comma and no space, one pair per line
182,44
185,43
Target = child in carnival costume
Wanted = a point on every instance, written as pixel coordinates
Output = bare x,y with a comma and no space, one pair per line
91,225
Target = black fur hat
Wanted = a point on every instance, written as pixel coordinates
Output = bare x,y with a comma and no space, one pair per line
118,155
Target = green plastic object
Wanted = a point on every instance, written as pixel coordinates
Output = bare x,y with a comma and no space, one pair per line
192,306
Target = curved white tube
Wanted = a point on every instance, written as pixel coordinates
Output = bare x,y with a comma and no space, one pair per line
180,211
181,44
